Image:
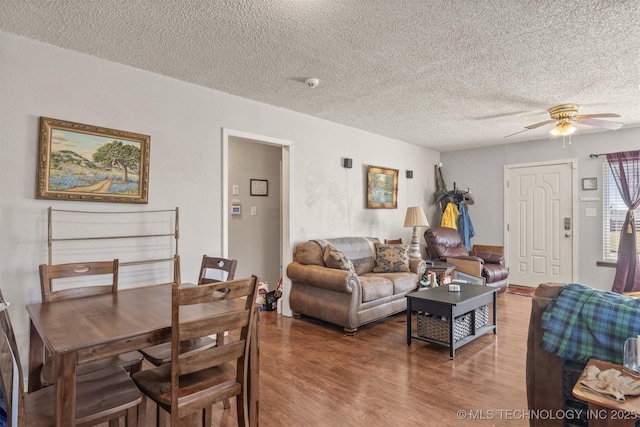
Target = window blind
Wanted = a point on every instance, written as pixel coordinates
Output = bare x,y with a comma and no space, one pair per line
614,213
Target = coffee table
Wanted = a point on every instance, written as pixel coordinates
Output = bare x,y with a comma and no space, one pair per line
439,301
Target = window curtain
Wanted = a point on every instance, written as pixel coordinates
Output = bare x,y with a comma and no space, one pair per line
625,167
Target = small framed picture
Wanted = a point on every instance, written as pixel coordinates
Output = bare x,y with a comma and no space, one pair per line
259,187
589,183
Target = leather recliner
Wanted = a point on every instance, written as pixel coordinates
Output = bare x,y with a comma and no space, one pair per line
443,243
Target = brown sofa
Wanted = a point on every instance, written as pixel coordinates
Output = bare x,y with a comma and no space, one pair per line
348,298
550,378
544,369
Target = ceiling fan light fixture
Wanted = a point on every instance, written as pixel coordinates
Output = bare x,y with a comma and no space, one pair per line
563,128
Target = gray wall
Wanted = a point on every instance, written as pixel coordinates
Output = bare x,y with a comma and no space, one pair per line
482,170
254,240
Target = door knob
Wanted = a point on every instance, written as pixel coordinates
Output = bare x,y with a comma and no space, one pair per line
567,234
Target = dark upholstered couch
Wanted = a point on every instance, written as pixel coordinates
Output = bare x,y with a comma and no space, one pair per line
444,243
348,298
550,378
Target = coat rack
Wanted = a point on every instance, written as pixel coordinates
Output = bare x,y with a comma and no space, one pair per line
456,196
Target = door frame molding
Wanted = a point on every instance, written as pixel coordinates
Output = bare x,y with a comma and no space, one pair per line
574,206
286,203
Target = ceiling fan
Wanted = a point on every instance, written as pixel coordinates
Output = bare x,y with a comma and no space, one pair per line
565,116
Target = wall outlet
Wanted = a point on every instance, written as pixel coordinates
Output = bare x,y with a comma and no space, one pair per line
590,212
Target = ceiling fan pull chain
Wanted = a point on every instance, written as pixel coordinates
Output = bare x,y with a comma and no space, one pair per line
563,140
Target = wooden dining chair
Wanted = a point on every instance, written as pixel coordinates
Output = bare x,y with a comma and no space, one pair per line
195,380
224,270
75,288
105,395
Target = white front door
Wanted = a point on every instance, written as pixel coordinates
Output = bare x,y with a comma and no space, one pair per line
540,225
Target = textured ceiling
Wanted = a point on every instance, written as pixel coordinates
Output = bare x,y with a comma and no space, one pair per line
443,74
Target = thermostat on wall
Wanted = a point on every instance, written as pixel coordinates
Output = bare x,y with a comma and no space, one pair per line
235,207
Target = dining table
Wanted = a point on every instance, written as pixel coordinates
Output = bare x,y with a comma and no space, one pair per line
80,330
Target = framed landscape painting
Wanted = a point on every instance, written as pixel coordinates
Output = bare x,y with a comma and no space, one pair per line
382,188
91,163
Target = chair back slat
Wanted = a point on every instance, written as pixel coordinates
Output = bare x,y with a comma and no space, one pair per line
213,356
212,325
49,273
217,291
224,268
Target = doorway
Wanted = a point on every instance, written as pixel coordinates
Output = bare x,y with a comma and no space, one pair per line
262,248
540,229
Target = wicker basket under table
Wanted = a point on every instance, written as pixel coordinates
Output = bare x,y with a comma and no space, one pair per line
437,328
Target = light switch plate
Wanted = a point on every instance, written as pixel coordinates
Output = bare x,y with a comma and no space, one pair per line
254,211
590,212
235,189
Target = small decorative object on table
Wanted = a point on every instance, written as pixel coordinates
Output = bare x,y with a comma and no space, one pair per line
632,357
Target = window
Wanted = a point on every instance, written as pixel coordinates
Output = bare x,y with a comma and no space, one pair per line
614,213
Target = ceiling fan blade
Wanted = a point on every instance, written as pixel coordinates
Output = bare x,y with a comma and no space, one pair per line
537,125
601,123
516,133
534,126
595,116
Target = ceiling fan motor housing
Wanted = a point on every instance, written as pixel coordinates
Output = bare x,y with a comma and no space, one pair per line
564,111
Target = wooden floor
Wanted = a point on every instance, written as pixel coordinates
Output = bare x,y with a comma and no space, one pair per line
313,375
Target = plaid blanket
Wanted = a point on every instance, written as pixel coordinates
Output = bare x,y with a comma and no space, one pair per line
583,322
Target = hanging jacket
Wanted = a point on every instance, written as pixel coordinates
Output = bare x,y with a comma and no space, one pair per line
465,227
449,216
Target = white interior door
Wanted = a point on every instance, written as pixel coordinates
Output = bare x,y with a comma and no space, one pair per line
540,225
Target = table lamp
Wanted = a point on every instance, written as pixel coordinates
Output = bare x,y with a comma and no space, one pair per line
415,218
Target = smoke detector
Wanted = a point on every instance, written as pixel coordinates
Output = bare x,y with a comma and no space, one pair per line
312,82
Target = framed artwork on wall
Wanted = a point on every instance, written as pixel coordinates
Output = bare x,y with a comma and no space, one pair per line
589,183
259,187
382,188
90,163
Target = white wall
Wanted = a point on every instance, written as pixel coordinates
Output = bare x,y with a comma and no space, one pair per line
184,122
482,170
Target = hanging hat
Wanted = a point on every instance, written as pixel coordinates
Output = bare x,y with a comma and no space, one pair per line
468,198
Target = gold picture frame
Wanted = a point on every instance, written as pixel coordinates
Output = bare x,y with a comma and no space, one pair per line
90,163
382,188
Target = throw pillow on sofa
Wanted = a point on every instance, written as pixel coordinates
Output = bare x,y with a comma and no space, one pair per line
334,258
391,258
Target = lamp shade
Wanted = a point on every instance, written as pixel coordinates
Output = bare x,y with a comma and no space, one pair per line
562,129
415,217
